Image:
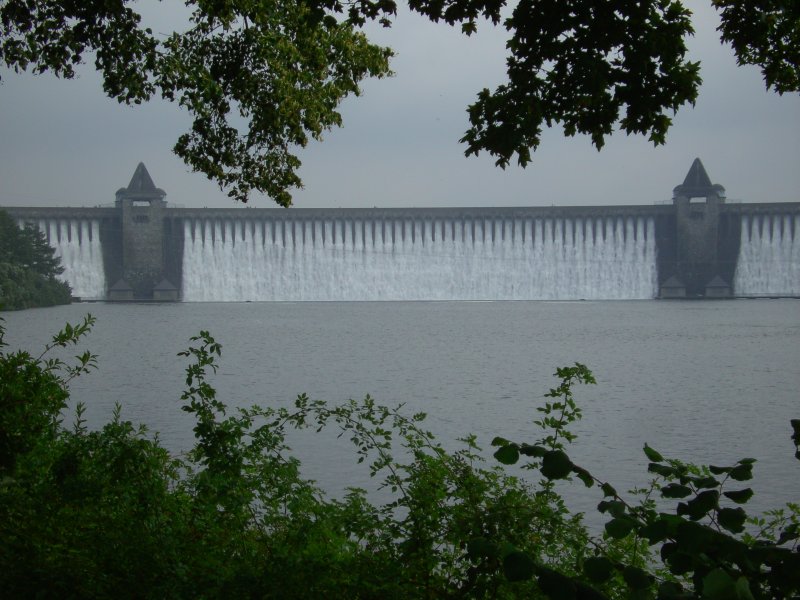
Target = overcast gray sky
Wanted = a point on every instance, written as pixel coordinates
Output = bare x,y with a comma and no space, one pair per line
64,143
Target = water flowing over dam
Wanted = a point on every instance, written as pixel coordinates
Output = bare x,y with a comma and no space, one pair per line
77,244
769,257
141,248
435,259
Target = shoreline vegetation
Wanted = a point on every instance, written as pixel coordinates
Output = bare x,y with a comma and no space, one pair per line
110,513
28,268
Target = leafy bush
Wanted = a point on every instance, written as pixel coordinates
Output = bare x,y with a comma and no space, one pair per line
111,513
705,547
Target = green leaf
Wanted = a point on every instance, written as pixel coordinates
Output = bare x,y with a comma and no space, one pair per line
663,470
478,548
719,470
597,568
675,490
518,566
699,505
555,585
680,563
614,507
498,441
667,550
556,464
742,472
583,475
657,531
608,490
508,455
619,528
732,519
586,592
528,450
718,584
705,482
507,548
739,496
636,578
795,423
652,454
702,541
790,533
670,590
742,589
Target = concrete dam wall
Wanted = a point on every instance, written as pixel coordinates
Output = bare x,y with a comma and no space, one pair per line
142,249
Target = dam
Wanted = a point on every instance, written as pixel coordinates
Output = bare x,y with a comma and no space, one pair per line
141,248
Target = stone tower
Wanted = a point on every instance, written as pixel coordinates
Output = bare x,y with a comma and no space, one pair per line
141,207
697,206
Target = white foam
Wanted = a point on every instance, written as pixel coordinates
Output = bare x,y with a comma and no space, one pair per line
769,256
405,259
77,244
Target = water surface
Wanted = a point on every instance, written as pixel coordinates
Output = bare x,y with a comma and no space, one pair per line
712,381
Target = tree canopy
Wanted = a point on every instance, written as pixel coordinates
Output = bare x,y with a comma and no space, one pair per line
260,78
28,268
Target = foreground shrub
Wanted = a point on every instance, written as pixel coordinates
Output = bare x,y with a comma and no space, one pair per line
704,544
110,513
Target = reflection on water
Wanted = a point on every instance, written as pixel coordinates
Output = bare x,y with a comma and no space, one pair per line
711,381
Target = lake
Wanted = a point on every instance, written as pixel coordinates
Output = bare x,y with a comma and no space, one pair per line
702,380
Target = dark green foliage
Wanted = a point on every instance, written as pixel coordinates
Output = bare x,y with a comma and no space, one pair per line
33,392
706,547
589,67
765,33
508,454
597,67
279,68
258,78
110,513
598,569
28,268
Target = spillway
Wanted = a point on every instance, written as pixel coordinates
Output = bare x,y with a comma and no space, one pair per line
769,256
344,259
77,244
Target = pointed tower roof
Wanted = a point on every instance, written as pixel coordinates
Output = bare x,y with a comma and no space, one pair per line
697,184
141,180
165,285
672,283
141,186
121,286
717,282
